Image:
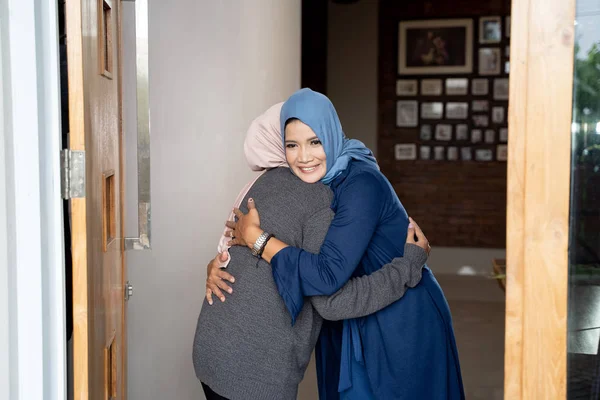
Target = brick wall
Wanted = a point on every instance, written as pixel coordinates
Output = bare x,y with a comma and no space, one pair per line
457,203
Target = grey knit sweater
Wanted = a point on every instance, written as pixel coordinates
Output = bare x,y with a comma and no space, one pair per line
246,347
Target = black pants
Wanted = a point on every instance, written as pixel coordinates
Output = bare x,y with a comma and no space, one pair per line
210,395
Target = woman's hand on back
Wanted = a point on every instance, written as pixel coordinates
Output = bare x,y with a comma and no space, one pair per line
246,230
216,277
416,236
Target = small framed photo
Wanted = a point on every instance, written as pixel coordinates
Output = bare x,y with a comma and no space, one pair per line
480,105
503,135
438,152
457,110
407,87
501,89
484,155
498,115
507,67
502,152
481,120
425,153
405,151
476,136
490,136
462,132
432,110
480,87
457,86
431,87
490,29
466,154
425,132
489,61
507,27
443,132
452,153
407,113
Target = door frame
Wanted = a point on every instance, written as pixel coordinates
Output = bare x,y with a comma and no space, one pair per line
32,230
538,191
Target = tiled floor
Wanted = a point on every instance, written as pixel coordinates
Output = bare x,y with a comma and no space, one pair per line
477,306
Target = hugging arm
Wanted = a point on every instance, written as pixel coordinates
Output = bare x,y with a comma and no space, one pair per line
367,294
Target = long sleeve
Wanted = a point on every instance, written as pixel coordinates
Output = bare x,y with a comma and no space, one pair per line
299,273
368,294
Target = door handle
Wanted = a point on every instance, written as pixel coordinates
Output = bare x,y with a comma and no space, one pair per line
144,209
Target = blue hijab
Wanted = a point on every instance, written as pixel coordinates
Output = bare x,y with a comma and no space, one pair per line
316,110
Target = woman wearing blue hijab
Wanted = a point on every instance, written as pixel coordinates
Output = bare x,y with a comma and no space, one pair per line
405,351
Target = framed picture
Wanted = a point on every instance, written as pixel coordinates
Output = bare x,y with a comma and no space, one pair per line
405,151
457,86
507,27
507,67
443,132
480,105
489,61
497,115
431,87
452,154
462,132
438,152
490,136
442,46
481,120
432,110
484,155
503,135
407,113
476,136
457,110
501,89
466,154
425,152
425,132
502,152
407,87
480,87
490,29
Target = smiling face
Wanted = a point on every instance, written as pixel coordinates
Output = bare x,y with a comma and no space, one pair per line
304,152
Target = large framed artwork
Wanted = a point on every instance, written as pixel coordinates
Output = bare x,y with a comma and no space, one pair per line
429,47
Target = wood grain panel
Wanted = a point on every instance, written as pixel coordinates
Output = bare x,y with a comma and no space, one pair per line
538,205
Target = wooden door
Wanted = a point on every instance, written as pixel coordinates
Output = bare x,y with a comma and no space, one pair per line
541,85
93,54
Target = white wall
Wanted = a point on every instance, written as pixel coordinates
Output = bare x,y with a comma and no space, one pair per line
214,66
352,70
31,265
4,316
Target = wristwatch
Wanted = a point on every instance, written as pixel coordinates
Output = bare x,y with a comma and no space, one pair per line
259,244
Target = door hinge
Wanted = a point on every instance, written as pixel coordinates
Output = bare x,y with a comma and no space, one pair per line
72,173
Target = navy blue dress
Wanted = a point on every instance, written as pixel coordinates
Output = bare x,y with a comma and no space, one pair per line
405,351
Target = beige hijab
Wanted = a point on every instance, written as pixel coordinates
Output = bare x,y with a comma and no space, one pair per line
264,150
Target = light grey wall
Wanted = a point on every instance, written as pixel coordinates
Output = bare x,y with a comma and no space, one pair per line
352,68
352,65
214,66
